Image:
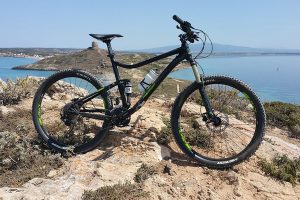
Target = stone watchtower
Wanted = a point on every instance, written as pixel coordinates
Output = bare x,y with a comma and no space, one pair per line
95,46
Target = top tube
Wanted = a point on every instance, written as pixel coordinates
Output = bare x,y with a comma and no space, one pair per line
156,58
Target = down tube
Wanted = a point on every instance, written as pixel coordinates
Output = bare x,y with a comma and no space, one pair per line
156,83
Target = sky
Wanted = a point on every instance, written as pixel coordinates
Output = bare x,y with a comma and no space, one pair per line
148,23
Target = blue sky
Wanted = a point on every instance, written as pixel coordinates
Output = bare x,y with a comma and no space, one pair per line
146,24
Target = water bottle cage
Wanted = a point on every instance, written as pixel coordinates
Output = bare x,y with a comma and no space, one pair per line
143,83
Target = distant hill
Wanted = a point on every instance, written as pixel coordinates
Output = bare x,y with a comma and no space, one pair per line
219,49
91,59
95,59
222,49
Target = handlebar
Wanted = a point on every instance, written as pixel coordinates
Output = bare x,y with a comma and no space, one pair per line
177,19
186,27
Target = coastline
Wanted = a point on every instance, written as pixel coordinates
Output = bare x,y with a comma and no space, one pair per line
35,57
33,69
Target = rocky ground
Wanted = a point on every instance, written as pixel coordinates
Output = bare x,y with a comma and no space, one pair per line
125,150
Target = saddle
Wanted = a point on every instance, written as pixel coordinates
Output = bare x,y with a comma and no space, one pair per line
105,37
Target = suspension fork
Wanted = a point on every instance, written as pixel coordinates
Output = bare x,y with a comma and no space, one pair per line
202,91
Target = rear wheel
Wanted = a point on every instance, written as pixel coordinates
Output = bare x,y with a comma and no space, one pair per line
57,122
236,131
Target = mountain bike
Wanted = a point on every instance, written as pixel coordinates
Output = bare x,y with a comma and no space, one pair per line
216,120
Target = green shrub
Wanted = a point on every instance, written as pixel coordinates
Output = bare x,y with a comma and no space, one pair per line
282,168
116,192
284,115
12,92
126,190
199,138
165,136
197,135
144,172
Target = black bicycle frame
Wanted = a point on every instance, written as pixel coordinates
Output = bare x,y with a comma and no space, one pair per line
182,54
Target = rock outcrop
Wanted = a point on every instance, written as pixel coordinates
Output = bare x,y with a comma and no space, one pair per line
126,149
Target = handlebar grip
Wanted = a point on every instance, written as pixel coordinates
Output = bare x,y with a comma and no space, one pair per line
177,19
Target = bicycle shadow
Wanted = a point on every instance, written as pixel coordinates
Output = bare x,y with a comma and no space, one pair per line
180,158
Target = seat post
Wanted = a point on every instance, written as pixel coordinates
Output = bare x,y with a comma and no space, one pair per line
111,56
116,71
110,51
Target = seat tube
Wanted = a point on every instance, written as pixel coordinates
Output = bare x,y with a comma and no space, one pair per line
116,72
111,56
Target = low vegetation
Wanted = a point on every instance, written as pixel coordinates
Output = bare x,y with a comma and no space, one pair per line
144,172
13,92
125,190
22,159
196,135
115,192
282,168
165,136
284,115
22,155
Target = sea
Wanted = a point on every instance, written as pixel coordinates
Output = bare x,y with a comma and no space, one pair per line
7,63
273,78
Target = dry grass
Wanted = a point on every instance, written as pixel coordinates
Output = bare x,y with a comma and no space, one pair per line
144,172
165,136
126,190
117,192
14,92
19,121
22,159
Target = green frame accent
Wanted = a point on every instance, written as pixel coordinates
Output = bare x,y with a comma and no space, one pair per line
149,90
184,140
39,113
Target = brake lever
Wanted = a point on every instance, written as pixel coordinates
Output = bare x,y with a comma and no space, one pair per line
196,36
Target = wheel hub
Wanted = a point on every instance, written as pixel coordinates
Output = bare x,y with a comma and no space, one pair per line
216,121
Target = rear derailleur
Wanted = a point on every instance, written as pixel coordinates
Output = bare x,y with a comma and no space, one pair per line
69,113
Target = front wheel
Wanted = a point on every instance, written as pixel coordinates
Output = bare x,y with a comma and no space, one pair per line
233,136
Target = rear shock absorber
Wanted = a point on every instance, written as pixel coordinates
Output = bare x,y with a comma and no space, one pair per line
128,91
